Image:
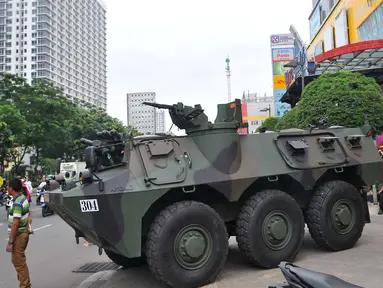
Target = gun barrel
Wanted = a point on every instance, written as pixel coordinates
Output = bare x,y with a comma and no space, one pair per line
86,141
161,106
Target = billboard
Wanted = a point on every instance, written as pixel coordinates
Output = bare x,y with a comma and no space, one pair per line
282,52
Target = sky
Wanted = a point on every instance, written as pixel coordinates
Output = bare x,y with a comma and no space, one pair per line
178,48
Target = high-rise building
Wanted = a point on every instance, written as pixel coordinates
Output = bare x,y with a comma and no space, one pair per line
142,117
160,121
64,41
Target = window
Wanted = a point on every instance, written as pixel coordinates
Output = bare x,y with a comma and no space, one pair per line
372,28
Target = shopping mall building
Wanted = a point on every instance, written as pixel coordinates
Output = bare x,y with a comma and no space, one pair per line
344,34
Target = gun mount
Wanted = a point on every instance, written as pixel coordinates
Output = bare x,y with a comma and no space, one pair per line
193,119
105,152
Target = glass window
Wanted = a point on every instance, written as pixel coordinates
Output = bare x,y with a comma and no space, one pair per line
372,28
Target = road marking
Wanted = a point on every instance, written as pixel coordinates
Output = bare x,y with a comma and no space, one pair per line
37,229
1,224
46,226
33,210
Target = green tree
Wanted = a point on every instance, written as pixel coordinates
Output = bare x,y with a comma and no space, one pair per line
344,97
288,120
269,124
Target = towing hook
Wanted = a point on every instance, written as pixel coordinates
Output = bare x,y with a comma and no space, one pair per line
100,251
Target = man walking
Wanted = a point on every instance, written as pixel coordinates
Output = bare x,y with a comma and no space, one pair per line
19,221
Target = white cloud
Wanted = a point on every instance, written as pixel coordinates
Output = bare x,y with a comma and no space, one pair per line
178,48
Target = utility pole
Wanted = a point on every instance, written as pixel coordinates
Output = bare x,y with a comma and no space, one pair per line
228,75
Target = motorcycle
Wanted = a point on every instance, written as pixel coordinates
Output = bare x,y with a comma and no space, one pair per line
45,209
38,197
298,277
8,201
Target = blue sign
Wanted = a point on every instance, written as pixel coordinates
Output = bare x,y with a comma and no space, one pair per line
280,108
278,93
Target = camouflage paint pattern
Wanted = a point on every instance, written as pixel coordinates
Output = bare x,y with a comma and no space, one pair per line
232,165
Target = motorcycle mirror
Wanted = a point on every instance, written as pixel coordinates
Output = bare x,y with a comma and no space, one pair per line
58,165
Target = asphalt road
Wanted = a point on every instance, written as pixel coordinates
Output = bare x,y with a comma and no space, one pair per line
52,253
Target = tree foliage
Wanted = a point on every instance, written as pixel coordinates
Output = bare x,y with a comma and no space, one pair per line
268,124
344,97
288,120
39,119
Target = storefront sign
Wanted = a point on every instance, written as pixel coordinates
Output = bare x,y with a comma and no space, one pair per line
282,54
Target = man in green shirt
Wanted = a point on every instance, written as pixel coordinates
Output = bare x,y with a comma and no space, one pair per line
19,221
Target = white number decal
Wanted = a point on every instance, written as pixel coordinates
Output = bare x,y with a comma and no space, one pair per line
89,205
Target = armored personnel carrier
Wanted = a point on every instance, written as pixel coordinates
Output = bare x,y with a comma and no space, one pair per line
173,202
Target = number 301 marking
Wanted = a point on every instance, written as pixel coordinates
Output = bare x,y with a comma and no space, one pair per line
89,205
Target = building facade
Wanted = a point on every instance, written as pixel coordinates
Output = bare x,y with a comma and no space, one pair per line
63,41
255,110
160,121
142,117
336,23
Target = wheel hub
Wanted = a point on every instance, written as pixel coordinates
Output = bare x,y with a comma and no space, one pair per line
343,216
193,247
277,230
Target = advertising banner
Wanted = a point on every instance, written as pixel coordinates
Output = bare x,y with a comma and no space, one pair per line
279,69
282,54
279,82
280,108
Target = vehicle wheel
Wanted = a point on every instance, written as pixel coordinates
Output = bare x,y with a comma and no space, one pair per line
270,228
124,261
335,216
43,212
187,245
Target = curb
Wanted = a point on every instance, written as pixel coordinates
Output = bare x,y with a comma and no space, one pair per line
97,280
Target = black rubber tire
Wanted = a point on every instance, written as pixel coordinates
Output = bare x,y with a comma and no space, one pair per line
124,261
318,215
161,237
43,212
250,222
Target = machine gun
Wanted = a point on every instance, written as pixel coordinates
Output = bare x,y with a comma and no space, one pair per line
320,123
105,152
193,119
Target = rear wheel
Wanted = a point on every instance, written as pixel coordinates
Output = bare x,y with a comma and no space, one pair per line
124,261
187,245
336,216
270,228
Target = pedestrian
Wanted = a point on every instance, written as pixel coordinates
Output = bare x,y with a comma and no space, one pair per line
380,199
25,190
19,223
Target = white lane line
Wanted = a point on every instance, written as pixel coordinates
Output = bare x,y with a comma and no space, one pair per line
46,226
1,224
34,210
37,229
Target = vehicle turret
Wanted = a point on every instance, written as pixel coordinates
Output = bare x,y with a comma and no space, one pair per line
194,120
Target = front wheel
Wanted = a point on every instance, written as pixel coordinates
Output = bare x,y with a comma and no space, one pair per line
187,245
124,261
270,228
44,212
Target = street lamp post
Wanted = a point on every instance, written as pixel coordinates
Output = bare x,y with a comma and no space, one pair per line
267,109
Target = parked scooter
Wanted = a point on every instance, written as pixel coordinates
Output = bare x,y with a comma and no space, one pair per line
298,277
45,209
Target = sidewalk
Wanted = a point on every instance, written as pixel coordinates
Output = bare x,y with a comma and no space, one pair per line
361,265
